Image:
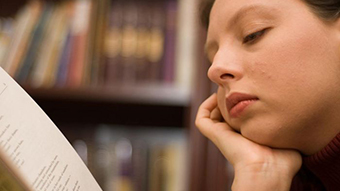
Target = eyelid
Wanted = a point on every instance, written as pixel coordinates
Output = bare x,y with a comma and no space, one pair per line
254,25
260,32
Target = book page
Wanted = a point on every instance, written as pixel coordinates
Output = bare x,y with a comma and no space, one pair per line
8,179
36,147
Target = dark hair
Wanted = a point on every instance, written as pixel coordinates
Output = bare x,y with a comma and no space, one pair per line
325,9
205,9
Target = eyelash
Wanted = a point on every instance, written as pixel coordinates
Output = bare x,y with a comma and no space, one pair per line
251,38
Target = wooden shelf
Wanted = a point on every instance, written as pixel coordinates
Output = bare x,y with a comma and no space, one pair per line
127,105
154,94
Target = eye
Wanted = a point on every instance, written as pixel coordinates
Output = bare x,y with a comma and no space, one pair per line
253,36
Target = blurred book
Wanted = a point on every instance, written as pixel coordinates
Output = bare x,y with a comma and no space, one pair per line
113,44
80,44
142,159
168,69
80,28
26,21
45,72
6,32
34,46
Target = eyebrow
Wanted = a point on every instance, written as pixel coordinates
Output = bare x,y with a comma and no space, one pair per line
259,8
238,16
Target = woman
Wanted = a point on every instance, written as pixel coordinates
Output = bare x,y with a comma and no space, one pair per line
276,114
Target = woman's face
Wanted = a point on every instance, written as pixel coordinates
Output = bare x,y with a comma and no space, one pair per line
278,70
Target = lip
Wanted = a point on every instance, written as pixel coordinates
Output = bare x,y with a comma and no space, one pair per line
238,102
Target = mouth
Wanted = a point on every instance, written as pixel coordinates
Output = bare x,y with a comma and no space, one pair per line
238,102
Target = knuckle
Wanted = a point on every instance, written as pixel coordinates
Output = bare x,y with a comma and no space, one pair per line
197,123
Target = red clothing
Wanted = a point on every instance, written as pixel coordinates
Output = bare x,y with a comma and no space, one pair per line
320,171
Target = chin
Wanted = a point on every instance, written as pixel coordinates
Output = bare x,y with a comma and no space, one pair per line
268,134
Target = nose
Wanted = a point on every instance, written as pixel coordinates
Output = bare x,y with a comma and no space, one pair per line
225,69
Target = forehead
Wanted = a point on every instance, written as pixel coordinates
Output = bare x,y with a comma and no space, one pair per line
225,13
233,5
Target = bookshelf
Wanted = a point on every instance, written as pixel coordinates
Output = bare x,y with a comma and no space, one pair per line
157,101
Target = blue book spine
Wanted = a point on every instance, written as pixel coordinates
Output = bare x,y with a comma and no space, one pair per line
64,62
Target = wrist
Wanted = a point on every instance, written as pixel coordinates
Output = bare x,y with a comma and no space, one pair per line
264,178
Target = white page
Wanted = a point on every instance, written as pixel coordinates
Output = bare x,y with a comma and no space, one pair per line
36,146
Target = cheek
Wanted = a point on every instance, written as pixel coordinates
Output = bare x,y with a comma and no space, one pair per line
266,131
297,82
300,60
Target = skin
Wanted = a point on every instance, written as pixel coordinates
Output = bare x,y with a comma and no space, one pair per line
256,167
293,67
289,58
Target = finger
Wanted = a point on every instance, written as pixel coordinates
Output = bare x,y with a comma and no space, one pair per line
207,107
221,134
203,120
208,120
216,115
229,142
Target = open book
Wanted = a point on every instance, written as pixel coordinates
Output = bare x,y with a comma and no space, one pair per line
34,155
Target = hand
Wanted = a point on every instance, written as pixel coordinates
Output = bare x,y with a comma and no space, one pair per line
257,167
